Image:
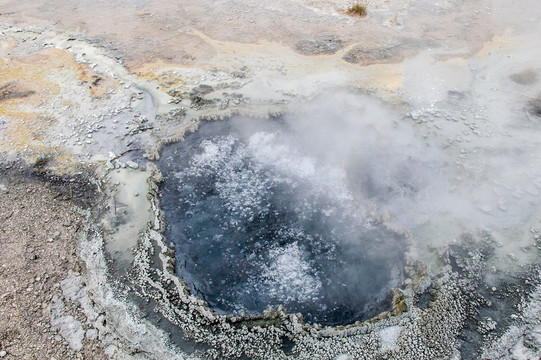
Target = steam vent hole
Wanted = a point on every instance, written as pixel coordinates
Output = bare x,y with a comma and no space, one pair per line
260,217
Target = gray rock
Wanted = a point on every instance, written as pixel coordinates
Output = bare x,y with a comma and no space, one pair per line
71,330
201,90
72,287
110,350
369,55
174,93
324,44
92,334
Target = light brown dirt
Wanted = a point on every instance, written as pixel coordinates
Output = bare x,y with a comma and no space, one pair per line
143,31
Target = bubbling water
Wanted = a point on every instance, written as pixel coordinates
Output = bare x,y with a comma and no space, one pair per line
258,221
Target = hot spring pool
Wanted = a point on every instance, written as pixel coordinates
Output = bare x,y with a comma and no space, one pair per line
258,220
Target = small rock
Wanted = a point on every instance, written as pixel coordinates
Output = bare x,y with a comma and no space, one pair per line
323,44
71,330
3,353
512,257
174,93
110,350
92,334
42,160
132,164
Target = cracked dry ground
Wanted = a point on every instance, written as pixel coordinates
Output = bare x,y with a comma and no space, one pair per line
37,250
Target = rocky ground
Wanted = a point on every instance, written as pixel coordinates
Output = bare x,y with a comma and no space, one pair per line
37,232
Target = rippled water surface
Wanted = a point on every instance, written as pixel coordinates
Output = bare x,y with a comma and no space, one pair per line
257,222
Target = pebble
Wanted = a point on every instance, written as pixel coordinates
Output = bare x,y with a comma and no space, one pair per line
3,353
132,164
92,334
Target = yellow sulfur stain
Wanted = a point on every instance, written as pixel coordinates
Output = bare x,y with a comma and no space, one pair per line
40,76
498,44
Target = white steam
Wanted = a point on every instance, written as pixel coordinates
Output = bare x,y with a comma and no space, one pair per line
452,167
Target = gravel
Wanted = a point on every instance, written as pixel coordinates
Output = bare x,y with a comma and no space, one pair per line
38,251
